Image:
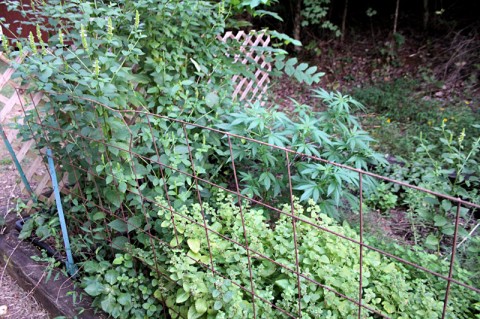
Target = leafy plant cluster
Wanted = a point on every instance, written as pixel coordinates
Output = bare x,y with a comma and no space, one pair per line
404,115
314,13
449,166
334,135
171,64
323,257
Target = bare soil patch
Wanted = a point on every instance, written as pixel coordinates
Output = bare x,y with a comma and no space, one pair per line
16,302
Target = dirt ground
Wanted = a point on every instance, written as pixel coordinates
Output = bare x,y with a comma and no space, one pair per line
15,303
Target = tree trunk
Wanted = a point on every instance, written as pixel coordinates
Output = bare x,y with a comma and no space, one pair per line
396,17
344,19
426,14
297,22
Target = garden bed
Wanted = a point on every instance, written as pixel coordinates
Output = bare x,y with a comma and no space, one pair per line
49,286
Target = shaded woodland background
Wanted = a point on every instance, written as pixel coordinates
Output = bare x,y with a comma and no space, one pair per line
433,39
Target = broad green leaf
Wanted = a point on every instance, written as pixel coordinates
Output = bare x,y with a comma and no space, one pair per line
432,241
440,220
182,296
228,296
194,245
192,313
94,289
201,306
389,308
212,99
118,225
135,222
125,299
218,305
98,216
119,242
114,196
111,276
108,303
282,283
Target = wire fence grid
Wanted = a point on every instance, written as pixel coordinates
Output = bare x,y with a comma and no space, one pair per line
96,144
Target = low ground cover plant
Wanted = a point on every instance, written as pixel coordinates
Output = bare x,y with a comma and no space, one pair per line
389,287
403,110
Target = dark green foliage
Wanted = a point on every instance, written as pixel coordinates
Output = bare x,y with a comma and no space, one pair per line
402,112
334,135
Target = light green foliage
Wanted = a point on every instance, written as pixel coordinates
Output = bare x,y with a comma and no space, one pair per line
324,257
314,13
121,289
42,225
382,198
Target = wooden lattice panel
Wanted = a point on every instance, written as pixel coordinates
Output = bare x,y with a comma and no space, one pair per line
245,89
12,111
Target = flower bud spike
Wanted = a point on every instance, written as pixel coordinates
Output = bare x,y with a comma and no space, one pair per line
137,19
96,67
109,28
60,36
5,44
33,45
39,34
84,37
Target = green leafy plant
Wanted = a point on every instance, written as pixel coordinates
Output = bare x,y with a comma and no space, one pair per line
322,256
334,135
121,288
382,198
449,166
129,59
402,110
314,13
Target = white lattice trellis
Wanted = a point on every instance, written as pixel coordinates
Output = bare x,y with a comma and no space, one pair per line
245,89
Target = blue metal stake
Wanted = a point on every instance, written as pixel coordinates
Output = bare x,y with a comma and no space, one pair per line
71,267
17,164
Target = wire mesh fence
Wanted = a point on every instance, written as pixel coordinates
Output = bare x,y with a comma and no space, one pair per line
132,179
